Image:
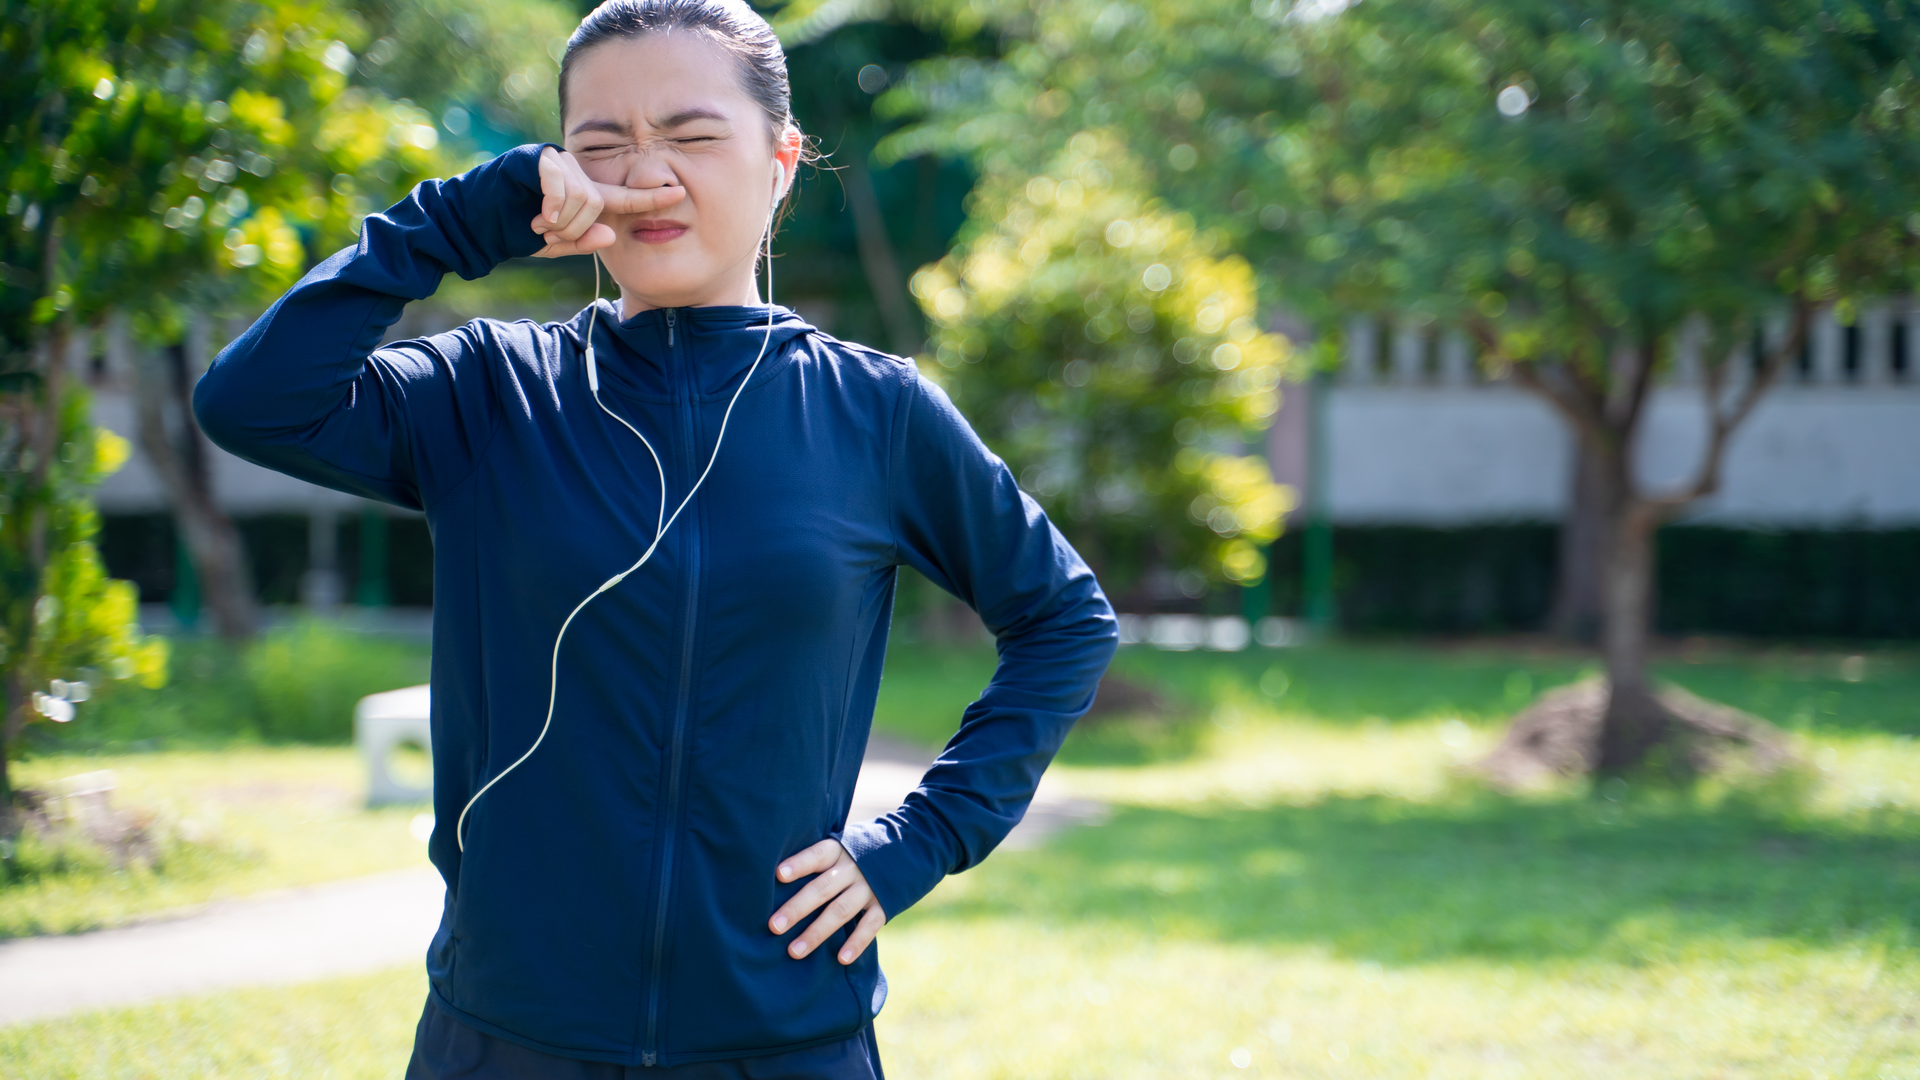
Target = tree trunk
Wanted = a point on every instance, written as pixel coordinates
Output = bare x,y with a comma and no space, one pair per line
1635,721
178,451
12,722
1576,611
41,417
878,261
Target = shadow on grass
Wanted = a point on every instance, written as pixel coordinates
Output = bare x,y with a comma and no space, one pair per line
926,688
1353,682
1484,877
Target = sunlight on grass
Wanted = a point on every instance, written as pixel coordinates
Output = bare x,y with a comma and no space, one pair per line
256,819
358,1028
1293,882
1120,1003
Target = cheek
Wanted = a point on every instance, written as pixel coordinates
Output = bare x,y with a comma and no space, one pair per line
730,219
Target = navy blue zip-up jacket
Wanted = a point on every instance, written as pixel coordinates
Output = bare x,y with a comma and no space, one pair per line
612,900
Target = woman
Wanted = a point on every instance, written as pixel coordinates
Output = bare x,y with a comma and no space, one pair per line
643,820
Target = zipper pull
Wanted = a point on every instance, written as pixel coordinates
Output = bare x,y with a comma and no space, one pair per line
647,1058
671,318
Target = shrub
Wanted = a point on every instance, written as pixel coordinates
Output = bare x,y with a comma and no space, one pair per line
295,683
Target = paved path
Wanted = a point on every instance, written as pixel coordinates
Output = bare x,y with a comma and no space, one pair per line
339,928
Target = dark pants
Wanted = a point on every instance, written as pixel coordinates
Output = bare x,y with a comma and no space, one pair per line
446,1049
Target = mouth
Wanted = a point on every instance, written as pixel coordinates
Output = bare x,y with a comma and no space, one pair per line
657,232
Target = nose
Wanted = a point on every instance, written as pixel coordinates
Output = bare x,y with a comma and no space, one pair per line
649,169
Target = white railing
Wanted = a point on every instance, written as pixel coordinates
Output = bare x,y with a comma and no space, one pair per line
1880,349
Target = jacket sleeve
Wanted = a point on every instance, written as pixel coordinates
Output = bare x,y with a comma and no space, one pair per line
305,392
961,520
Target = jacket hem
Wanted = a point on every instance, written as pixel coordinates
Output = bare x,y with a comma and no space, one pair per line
633,1059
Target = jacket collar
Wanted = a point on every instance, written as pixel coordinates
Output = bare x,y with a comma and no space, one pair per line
714,345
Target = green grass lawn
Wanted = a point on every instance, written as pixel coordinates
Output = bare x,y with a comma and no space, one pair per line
244,820
1294,883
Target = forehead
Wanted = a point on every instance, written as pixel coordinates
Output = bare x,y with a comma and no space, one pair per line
656,75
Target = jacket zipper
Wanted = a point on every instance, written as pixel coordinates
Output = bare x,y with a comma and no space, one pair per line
676,748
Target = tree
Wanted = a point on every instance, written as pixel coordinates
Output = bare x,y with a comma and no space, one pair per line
861,225
487,70
67,631
1582,187
1109,352
1578,186
160,158
166,161
1104,343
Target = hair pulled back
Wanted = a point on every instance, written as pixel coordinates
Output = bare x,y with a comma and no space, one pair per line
731,24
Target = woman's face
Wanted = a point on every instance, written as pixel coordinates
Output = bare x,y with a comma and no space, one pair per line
665,109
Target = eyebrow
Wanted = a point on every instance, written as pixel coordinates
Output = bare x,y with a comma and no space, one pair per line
614,127
679,119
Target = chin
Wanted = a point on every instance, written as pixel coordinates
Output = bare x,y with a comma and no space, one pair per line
664,282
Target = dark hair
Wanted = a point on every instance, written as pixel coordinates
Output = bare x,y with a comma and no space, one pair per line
731,24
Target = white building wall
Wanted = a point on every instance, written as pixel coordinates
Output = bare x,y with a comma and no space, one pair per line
1808,456
1412,440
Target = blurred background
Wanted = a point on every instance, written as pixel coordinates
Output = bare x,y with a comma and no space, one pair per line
1496,421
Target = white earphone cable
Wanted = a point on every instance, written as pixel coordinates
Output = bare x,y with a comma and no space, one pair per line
660,526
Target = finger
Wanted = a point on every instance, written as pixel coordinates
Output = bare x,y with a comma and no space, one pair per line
586,210
618,199
553,188
835,915
584,217
596,238
863,933
818,891
571,220
810,860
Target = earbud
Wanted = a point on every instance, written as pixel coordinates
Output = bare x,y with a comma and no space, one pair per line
779,180
593,369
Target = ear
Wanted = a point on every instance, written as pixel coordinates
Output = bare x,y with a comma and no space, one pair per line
786,162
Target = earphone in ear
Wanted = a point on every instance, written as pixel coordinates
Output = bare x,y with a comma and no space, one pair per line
779,181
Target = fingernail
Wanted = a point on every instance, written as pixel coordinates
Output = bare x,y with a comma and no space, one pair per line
799,949
846,958
779,925
786,872
553,215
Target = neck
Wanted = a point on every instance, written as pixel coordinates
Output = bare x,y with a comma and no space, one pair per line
743,291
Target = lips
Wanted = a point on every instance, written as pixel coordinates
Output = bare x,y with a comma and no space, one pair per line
657,232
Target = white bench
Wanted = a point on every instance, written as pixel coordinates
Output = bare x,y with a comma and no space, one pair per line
384,722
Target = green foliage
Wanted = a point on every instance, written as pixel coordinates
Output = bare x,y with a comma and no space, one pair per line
490,67
1651,160
293,683
66,629
1560,178
1111,354
307,678
158,155
158,150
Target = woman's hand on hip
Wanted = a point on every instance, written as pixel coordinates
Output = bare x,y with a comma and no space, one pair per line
842,888
572,203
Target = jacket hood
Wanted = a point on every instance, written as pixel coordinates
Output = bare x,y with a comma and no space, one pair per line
654,352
